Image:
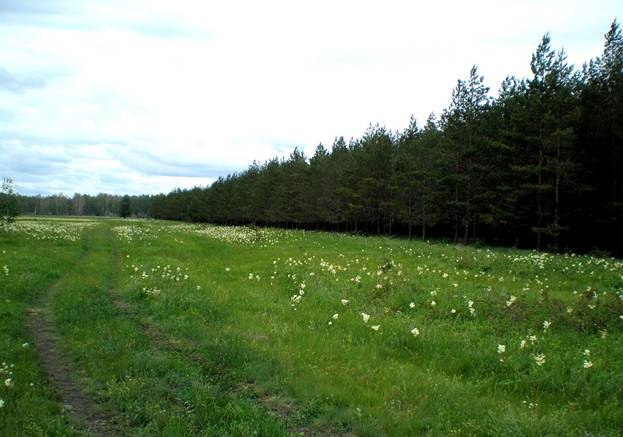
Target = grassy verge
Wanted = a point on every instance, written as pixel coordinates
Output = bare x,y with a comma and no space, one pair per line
29,266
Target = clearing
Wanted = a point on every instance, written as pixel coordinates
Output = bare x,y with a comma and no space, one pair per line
130,327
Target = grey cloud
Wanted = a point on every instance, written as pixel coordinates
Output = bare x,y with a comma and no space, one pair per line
80,16
47,169
6,115
152,164
27,7
28,163
68,142
37,176
18,84
112,179
167,29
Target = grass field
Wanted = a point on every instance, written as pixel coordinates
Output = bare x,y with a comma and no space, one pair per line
178,329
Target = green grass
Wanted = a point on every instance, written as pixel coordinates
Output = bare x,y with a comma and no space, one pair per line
30,407
213,337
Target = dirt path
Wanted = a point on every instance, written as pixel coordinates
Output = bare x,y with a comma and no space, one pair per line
85,410
81,407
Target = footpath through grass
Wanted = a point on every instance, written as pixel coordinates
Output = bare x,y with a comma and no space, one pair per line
147,390
199,330
29,266
157,392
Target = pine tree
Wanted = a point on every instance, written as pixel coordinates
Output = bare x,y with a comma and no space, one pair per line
462,123
549,137
124,208
9,205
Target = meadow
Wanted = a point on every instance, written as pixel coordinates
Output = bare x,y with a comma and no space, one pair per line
169,328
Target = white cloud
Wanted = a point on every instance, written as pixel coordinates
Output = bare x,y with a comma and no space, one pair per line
152,91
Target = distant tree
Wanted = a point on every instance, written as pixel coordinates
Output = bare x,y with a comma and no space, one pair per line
465,137
9,204
318,193
547,128
124,207
601,131
504,207
416,177
373,163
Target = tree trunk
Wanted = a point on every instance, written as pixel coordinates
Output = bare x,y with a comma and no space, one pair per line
456,198
557,191
539,220
423,221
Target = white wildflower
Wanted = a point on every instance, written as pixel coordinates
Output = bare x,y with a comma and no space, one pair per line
539,359
415,332
365,317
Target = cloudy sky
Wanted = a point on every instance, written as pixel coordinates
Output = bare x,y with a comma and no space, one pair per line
145,96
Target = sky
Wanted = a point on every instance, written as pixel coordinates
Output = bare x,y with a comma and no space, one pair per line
144,96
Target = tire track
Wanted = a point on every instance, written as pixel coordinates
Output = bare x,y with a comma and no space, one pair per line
80,406
277,407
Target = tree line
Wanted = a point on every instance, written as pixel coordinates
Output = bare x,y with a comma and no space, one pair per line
538,166
83,204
